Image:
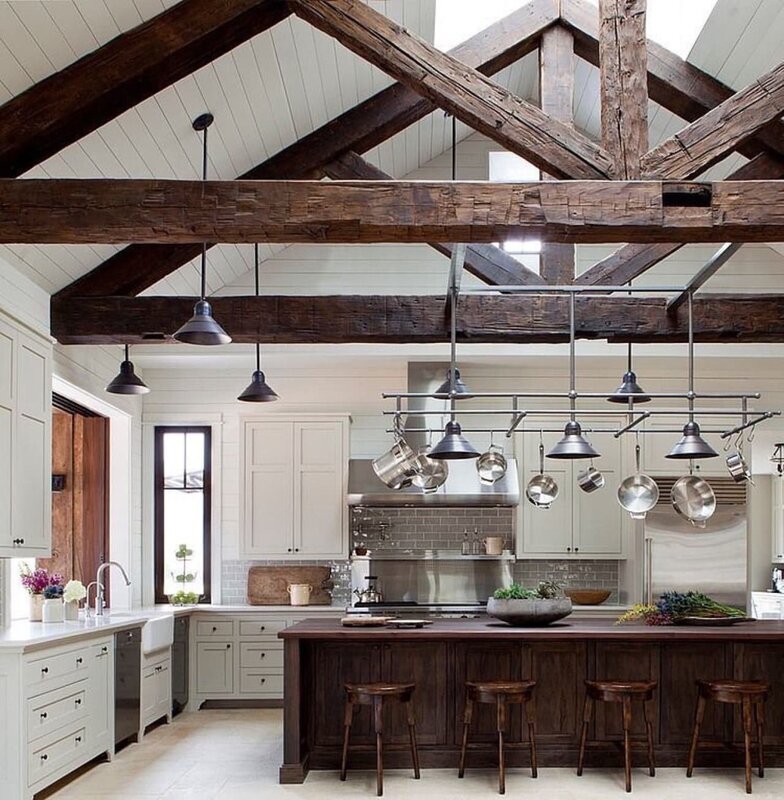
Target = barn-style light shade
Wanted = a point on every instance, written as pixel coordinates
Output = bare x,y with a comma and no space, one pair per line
629,386
454,445
691,444
446,386
202,328
573,445
127,381
258,391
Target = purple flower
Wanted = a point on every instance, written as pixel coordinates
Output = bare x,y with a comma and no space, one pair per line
35,581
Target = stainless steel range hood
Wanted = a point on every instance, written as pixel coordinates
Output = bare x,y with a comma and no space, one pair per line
462,488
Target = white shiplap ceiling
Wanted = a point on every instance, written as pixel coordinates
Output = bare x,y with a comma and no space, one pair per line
276,88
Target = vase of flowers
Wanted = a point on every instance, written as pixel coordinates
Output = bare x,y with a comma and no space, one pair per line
53,609
36,581
73,593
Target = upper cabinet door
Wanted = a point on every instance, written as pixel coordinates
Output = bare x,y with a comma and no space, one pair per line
320,465
268,489
8,338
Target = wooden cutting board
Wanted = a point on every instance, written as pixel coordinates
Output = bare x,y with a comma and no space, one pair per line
267,585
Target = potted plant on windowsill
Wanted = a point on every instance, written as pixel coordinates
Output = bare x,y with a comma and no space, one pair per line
524,608
36,582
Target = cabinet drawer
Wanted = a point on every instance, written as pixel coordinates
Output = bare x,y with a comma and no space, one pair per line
262,627
58,752
43,672
219,628
53,710
260,655
255,681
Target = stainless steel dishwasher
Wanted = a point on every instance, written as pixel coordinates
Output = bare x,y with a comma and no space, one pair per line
127,684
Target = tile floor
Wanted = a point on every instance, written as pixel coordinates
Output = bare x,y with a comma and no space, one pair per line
235,755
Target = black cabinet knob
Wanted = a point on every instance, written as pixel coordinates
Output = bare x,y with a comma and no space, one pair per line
44,670
44,757
576,549
214,629
289,550
568,549
263,680
78,701
43,715
79,660
228,647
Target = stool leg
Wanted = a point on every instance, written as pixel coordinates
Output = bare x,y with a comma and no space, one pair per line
347,720
695,735
647,713
759,713
587,710
746,708
412,737
468,715
627,745
530,716
501,725
378,705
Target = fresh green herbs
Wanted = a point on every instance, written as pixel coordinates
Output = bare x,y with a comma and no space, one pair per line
672,607
547,590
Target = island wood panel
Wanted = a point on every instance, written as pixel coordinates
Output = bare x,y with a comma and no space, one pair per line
756,661
683,665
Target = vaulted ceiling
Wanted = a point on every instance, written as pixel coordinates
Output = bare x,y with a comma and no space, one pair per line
276,88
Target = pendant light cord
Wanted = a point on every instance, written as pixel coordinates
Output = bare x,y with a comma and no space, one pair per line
453,297
572,359
204,244
256,271
127,353
691,357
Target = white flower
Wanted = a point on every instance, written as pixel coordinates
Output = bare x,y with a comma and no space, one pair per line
74,591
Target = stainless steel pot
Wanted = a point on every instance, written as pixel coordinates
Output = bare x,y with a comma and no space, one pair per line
397,467
738,468
693,499
431,473
590,479
638,493
491,465
542,489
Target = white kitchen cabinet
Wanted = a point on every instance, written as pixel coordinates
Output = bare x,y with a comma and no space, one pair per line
25,442
577,524
294,486
102,692
214,668
156,688
777,519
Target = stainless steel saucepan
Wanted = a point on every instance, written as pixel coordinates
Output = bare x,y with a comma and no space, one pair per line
590,479
736,463
398,466
638,493
693,499
491,465
431,473
542,489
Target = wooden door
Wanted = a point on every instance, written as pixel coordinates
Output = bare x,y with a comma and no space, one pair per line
485,661
62,559
681,666
630,662
559,669
424,664
335,666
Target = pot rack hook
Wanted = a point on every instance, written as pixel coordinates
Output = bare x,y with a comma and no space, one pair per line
751,434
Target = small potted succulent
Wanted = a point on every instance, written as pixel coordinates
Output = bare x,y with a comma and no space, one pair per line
36,581
523,608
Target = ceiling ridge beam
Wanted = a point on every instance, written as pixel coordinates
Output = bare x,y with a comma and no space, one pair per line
515,124
340,319
132,67
101,211
136,268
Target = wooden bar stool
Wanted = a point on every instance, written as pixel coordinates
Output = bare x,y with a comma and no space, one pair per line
623,692
750,696
374,694
500,694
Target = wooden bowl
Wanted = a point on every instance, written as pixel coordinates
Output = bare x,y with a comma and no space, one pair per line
587,597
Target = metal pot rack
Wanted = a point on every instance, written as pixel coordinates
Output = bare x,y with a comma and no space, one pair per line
748,418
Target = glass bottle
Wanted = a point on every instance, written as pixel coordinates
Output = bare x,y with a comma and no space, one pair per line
476,545
466,547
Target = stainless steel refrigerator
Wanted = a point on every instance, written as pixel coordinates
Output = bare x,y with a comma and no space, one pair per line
680,556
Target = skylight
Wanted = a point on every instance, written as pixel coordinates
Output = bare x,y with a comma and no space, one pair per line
674,24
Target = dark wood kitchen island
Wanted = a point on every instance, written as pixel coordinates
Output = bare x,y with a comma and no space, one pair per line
321,656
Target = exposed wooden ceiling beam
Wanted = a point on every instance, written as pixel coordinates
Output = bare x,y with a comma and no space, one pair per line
556,95
708,139
411,319
673,83
632,260
623,63
366,125
133,66
711,267
487,262
109,211
482,104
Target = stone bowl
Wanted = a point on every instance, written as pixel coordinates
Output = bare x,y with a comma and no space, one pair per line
529,613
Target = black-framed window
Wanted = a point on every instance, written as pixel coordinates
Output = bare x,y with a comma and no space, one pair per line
183,504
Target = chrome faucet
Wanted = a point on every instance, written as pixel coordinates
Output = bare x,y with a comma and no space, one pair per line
99,592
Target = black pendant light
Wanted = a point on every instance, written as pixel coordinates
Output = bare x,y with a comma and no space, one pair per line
127,381
201,328
629,391
258,391
573,445
454,445
691,444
